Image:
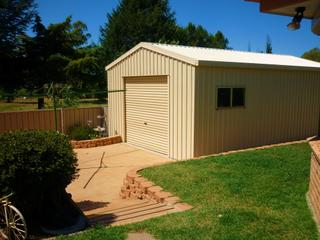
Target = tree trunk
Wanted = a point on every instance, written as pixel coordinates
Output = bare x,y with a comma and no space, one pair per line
40,103
10,99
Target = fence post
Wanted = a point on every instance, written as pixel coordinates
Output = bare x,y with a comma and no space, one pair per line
55,108
62,120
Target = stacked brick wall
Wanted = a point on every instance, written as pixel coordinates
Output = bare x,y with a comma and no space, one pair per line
137,187
96,142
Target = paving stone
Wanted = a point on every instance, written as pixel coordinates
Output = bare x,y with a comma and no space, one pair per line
140,236
182,206
172,200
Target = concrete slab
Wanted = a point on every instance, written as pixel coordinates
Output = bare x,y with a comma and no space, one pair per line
99,187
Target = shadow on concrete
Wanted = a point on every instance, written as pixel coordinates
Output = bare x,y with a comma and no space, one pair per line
129,213
88,205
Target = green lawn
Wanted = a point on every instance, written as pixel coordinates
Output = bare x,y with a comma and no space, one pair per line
31,104
250,195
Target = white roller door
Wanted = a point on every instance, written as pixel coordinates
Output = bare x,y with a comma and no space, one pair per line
147,112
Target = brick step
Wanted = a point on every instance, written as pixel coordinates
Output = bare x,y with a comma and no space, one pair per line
120,205
141,218
143,212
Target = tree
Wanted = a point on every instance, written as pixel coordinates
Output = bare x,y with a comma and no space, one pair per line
268,45
196,35
313,54
220,41
56,54
135,21
16,16
85,71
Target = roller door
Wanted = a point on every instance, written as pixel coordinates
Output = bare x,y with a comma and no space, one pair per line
147,112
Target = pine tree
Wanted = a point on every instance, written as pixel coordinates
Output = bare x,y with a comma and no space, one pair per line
135,21
268,45
15,17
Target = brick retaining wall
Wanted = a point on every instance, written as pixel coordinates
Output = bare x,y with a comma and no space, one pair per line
96,142
137,187
314,184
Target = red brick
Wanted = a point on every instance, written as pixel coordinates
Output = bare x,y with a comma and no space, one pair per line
139,180
132,174
145,185
153,190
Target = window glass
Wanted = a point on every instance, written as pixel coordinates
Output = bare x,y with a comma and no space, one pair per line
238,97
224,97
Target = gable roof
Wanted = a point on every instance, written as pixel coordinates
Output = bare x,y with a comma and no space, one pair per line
199,56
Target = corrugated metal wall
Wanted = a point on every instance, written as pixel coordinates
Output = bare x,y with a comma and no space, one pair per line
181,79
44,119
280,106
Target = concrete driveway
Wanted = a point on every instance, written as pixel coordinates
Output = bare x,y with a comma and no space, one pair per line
102,186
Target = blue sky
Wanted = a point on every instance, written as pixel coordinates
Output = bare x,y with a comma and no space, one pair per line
240,21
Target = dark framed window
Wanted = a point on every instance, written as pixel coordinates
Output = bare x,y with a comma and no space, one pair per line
224,97
238,95
230,97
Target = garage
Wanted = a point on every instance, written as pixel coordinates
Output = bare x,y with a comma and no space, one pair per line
185,102
146,106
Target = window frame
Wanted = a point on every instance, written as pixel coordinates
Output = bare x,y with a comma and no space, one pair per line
231,97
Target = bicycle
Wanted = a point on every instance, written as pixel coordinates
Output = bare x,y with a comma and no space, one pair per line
12,223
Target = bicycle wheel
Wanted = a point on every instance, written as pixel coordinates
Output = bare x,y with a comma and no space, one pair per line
13,225
3,222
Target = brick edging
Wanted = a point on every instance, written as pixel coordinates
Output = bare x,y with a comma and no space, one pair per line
96,142
137,187
314,182
315,147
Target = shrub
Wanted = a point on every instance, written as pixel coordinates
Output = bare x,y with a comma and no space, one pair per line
81,132
34,165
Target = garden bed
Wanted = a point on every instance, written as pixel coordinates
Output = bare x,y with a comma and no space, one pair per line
96,142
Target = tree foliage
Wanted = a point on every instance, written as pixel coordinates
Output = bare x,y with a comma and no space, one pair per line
16,16
313,54
268,45
35,165
196,35
135,21
57,54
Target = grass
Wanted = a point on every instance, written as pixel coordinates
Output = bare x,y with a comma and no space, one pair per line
31,104
250,195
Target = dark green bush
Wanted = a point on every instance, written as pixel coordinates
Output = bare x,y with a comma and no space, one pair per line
81,132
35,165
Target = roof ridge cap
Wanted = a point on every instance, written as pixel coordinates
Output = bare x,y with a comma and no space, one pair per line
221,49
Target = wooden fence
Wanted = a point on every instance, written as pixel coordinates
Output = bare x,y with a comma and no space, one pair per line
44,119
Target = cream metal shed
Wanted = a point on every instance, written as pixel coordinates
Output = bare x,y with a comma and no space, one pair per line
185,102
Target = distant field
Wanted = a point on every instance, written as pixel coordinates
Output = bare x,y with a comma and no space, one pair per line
31,104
